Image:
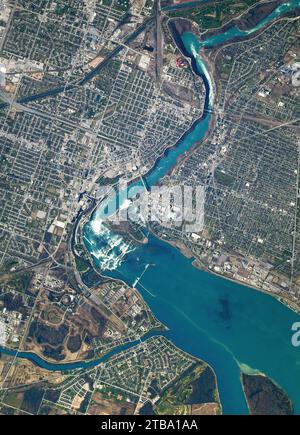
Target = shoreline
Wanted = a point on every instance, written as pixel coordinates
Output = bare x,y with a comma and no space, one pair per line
197,264
197,359
293,306
271,380
185,251
25,354
244,392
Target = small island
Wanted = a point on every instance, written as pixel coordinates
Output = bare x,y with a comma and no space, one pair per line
264,397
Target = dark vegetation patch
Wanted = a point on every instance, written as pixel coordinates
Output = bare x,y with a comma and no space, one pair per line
45,410
54,353
203,388
32,329
74,343
90,354
223,178
54,336
88,338
196,386
52,395
256,14
32,399
85,403
264,397
21,282
100,319
147,409
14,303
6,410
92,278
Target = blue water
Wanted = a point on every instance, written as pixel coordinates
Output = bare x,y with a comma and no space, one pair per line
235,32
230,326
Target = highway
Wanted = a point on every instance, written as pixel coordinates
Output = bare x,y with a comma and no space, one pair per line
69,86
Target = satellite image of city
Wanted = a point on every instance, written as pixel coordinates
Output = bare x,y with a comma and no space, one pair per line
149,210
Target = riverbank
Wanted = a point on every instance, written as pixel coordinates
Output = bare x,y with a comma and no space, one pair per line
283,300
199,360
78,364
187,253
197,263
242,27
